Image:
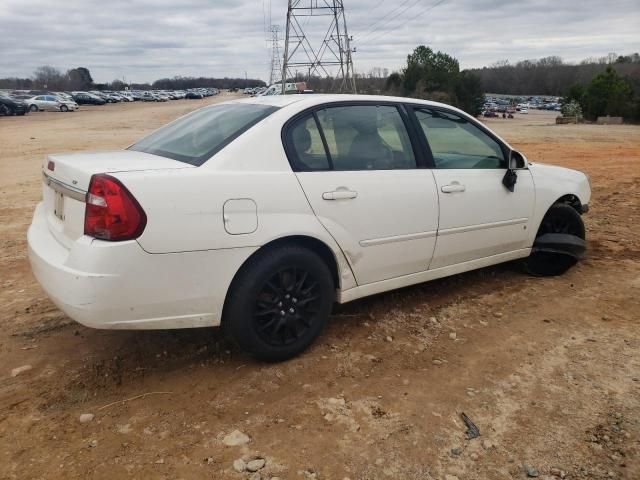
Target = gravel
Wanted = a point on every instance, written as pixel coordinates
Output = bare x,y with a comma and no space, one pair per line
239,465
236,438
86,417
255,465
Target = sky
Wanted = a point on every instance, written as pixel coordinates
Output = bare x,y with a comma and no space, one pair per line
143,40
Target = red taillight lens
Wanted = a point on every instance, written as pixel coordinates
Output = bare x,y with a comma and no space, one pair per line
112,212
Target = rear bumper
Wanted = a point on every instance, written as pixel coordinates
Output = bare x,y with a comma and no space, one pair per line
117,285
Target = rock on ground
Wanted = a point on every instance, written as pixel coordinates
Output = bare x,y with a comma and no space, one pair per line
235,439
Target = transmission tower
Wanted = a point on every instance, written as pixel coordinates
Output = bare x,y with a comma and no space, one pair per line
276,63
330,58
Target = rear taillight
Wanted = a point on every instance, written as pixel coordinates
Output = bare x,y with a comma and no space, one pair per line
112,212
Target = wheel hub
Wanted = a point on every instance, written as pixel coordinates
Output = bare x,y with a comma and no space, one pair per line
285,307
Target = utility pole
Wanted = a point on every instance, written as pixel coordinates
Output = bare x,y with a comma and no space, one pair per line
331,57
276,64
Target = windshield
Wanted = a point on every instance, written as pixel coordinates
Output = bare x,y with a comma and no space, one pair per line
196,137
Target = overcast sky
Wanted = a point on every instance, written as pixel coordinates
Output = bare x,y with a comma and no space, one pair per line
143,40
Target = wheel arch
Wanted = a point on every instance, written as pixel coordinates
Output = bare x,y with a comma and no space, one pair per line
571,200
317,246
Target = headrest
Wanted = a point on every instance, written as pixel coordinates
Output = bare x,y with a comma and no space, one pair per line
301,139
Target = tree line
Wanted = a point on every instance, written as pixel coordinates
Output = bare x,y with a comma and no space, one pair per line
51,78
551,75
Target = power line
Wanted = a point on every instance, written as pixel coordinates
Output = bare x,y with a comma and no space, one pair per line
419,14
385,16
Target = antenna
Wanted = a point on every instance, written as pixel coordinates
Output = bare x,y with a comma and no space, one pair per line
276,64
332,57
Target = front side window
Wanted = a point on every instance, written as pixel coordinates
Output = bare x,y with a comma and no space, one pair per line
197,136
456,143
366,137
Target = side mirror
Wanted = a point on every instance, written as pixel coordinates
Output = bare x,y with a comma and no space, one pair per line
517,160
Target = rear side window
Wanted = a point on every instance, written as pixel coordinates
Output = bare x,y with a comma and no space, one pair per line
196,137
456,143
307,146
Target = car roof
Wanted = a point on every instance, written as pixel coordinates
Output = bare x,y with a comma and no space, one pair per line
309,100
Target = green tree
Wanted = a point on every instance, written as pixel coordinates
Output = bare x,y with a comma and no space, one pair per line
80,79
437,70
469,93
608,94
436,76
575,93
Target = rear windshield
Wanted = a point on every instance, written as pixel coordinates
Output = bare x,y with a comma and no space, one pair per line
196,137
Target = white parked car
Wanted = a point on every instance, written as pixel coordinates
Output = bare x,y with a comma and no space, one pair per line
259,214
50,103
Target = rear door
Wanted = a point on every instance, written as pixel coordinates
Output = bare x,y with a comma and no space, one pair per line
363,179
479,217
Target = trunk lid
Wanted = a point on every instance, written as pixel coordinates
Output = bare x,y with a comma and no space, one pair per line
66,180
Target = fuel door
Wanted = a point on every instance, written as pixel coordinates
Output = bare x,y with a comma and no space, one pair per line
240,216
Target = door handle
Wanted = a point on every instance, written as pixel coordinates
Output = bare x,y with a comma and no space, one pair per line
340,194
453,187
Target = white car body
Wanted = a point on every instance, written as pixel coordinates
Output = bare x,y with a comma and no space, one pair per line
402,227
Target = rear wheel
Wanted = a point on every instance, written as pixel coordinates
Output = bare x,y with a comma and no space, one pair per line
563,219
33,108
279,303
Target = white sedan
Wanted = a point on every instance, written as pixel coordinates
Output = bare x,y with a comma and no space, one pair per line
259,214
50,103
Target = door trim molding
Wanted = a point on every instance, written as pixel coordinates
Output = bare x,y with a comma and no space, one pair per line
481,226
397,238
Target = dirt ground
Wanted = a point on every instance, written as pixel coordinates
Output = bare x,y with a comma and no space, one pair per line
547,368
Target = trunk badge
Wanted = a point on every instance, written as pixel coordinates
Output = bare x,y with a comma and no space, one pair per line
51,165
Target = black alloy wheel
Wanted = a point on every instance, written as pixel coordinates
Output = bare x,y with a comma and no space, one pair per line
284,309
279,302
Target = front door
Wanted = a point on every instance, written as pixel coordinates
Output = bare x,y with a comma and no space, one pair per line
479,216
358,169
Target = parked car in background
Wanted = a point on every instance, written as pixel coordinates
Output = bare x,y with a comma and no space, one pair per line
374,193
12,106
64,96
84,98
50,103
194,95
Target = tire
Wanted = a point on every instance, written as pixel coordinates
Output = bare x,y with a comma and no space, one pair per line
64,108
33,108
279,303
560,218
